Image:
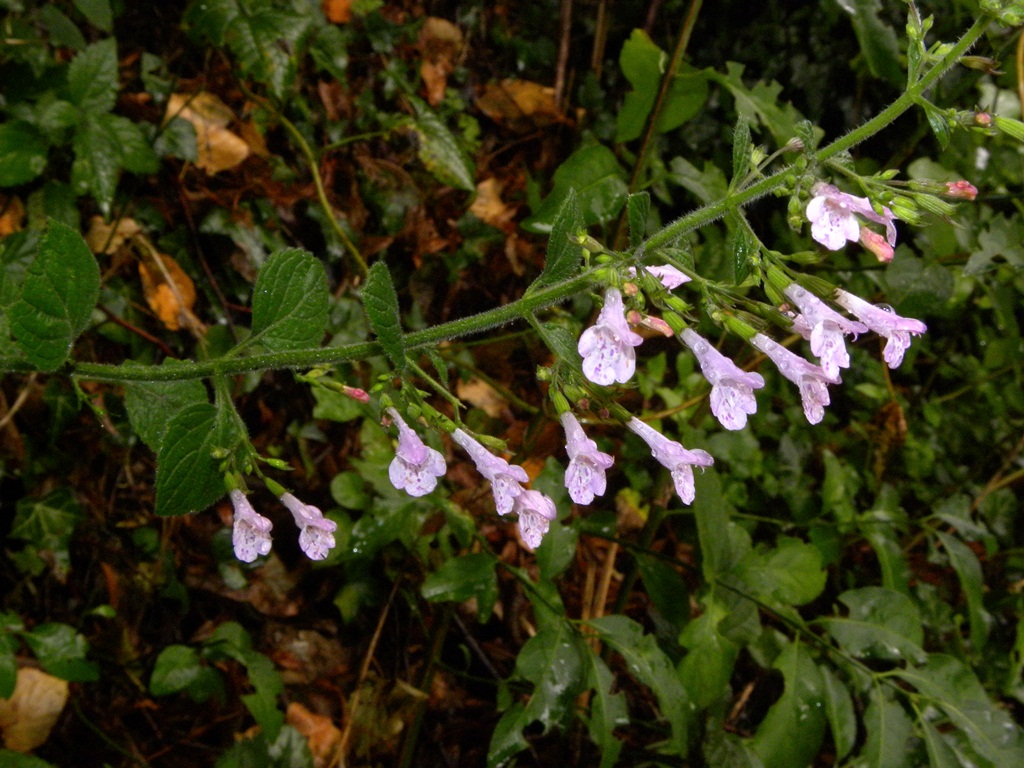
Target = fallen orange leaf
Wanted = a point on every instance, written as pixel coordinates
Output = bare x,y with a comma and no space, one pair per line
217,148
521,103
440,42
338,11
169,291
12,215
490,208
321,734
108,238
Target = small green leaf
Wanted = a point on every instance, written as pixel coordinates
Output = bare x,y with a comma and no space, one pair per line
666,588
564,254
761,104
638,208
381,304
790,573
188,478
8,664
440,152
741,146
290,302
650,666
62,651
712,525
134,150
878,41
463,578
57,298
842,718
47,524
152,404
92,78
600,184
180,668
553,661
12,759
507,740
607,709
881,624
710,658
98,13
972,580
61,30
23,153
97,165
744,248
791,733
940,753
890,732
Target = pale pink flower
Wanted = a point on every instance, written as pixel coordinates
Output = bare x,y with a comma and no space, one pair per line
536,511
732,389
584,478
833,216
505,478
826,329
811,379
877,244
671,455
316,532
961,190
607,346
250,531
416,466
667,275
883,321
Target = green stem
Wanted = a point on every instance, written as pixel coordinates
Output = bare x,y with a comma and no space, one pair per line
709,213
311,358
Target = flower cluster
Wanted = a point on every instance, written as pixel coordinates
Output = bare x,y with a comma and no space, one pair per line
250,534
833,216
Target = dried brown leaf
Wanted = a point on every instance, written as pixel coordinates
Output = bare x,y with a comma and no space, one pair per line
490,208
480,394
12,215
322,736
338,11
169,291
440,43
27,718
520,103
218,149
108,238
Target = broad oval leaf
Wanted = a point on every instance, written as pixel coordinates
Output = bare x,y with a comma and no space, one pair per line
381,303
600,184
60,290
289,303
23,153
188,478
92,77
152,404
881,624
792,731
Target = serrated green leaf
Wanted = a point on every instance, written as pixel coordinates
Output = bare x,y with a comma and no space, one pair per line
381,304
649,664
761,104
290,302
135,153
23,153
97,165
791,733
440,152
790,573
881,624
741,146
97,12
564,253
666,588
92,78
60,290
188,478
842,718
954,689
48,524
600,184
638,208
62,652
564,345
889,730
152,404
940,754
972,580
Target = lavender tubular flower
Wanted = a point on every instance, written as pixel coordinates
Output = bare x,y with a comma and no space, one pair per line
827,328
833,216
667,275
536,511
316,534
250,531
885,323
673,456
584,477
416,466
732,389
607,346
812,380
505,478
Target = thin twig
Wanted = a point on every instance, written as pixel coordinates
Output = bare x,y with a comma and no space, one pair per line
564,37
